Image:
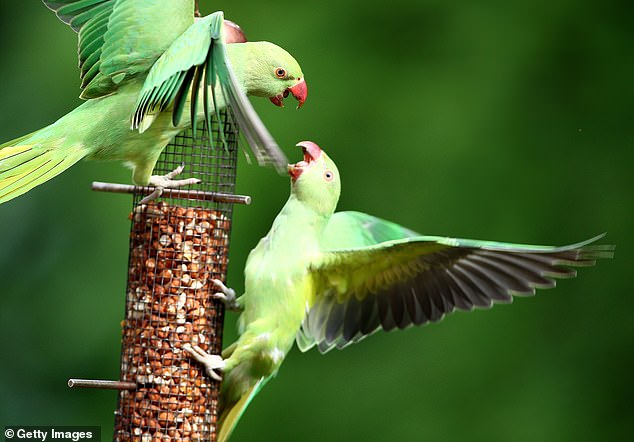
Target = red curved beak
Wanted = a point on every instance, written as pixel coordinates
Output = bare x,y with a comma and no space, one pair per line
278,100
311,150
299,91
311,153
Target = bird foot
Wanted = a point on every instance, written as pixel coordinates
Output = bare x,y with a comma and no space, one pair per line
211,362
167,181
227,296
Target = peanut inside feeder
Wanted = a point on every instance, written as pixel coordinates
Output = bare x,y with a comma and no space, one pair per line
176,253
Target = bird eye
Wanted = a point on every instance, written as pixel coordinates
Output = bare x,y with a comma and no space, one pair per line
280,72
328,175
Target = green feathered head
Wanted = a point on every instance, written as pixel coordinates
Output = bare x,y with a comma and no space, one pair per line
315,180
267,70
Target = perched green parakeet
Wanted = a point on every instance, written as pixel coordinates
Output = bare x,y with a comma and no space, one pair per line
149,69
330,279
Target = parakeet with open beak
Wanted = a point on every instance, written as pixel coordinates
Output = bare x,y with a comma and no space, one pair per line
149,70
330,279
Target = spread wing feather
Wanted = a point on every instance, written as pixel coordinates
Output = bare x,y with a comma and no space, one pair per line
189,53
76,13
120,39
198,60
356,229
419,279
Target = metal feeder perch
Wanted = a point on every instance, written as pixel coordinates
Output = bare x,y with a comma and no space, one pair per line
179,243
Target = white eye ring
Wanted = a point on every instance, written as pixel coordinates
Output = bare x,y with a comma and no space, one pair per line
328,175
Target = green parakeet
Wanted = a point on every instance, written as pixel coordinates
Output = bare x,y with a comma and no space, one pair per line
149,69
330,279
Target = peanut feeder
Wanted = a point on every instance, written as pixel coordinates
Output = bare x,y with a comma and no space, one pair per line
179,244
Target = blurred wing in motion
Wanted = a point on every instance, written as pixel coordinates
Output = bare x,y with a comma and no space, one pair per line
261,143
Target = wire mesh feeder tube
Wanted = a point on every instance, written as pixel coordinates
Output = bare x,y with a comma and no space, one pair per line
177,247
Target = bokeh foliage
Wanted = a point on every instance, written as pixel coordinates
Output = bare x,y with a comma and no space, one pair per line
491,120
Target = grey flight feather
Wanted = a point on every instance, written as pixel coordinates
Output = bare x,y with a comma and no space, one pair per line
462,275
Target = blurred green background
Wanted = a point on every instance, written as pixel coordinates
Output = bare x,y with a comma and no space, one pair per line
492,120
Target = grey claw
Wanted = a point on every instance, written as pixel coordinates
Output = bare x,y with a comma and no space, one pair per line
227,296
211,362
167,181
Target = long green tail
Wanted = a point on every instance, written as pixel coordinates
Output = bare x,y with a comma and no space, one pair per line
26,163
231,413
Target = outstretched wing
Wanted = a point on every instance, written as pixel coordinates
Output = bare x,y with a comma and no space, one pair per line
347,230
76,13
412,281
119,39
185,65
199,58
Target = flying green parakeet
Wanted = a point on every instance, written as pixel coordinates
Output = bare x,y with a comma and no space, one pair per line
330,279
150,69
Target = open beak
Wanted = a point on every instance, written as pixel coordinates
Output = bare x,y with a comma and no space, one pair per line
299,91
311,153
